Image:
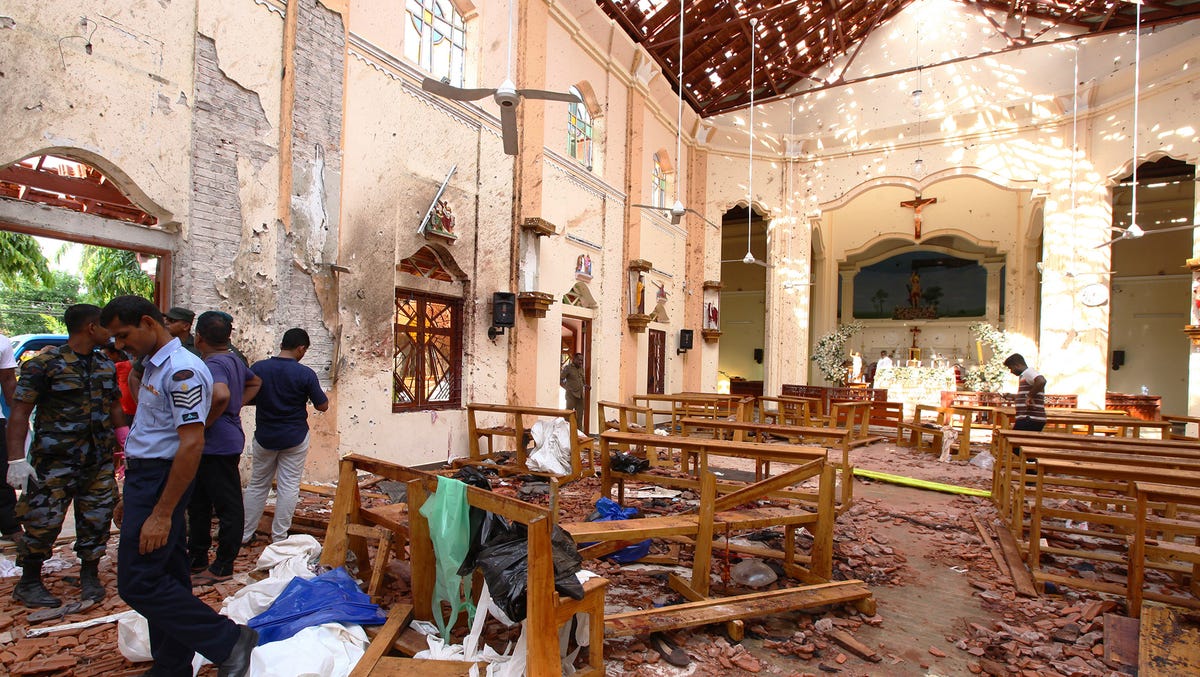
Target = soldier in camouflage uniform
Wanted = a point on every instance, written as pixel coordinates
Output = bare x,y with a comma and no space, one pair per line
77,427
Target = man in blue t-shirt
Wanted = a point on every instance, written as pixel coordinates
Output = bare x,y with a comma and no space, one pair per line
281,433
218,487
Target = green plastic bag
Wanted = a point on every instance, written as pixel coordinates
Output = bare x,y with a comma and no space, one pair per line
450,530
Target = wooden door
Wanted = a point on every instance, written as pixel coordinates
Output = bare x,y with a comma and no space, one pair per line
657,368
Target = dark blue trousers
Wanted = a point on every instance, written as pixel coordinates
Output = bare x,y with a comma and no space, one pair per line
158,585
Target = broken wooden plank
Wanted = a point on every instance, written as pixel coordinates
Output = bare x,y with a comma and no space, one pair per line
1022,580
1169,644
997,554
398,619
853,645
753,605
1120,639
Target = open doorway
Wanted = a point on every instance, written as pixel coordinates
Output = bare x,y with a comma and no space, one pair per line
577,338
743,299
1151,285
92,245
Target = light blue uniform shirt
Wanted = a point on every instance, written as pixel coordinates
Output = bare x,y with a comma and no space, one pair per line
176,390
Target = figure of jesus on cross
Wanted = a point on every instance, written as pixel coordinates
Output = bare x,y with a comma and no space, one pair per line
917,204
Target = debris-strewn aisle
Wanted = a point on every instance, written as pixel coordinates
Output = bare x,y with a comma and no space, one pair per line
944,605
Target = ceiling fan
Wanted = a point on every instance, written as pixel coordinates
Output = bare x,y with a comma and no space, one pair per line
749,257
678,210
1134,231
507,96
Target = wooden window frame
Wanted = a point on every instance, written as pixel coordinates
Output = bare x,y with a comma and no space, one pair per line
456,350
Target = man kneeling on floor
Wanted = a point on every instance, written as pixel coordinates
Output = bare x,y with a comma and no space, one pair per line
161,456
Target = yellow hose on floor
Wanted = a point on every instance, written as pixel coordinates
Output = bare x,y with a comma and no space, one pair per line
921,484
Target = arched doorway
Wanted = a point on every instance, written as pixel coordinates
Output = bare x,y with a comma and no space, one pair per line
743,300
91,208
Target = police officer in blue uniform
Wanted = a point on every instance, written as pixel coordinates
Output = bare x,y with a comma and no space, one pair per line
161,455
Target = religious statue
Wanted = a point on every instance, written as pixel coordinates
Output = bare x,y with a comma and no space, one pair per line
640,299
442,219
661,294
711,316
914,289
583,266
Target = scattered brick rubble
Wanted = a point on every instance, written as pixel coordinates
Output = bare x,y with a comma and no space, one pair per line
1056,634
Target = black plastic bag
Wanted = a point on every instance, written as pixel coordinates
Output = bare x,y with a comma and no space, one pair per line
481,521
627,463
505,564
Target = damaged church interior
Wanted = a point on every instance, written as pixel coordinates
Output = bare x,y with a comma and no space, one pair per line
694,350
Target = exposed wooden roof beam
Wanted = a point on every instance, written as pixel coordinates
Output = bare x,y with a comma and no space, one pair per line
705,28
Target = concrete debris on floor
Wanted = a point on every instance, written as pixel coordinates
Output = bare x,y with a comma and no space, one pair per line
946,600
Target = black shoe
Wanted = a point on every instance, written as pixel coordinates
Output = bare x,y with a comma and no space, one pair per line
32,592
90,586
238,663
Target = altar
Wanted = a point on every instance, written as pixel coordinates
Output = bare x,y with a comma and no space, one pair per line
915,385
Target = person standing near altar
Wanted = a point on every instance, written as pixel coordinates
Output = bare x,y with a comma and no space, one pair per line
1031,394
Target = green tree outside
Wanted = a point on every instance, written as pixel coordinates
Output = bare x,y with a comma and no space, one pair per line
30,307
108,273
21,258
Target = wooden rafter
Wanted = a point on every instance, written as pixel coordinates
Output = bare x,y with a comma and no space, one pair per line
803,36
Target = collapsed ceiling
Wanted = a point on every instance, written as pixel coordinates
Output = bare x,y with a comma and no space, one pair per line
798,40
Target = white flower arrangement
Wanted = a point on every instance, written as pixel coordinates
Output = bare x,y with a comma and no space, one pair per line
830,352
989,376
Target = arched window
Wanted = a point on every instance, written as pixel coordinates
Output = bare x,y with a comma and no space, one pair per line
659,185
579,131
435,38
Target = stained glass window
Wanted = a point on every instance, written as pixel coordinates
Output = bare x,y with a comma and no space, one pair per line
579,131
659,186
435,39
427,362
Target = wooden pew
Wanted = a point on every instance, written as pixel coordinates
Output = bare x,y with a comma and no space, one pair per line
703,405
744,431
1007,473
694,455
1146,552
1092,482
546,610
735,511
1183,422
518,420
787,410
912,433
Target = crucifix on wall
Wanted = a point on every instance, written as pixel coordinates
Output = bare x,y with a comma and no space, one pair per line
917,204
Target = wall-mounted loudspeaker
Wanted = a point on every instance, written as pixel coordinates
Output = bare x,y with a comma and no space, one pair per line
504,309
504,313
685,339
1118,359
758,355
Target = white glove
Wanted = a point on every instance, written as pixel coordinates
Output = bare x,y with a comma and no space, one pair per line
19,473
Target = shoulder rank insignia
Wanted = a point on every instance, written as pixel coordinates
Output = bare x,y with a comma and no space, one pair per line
182,375
186,398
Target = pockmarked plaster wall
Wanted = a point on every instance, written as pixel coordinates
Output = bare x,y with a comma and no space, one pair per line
104,106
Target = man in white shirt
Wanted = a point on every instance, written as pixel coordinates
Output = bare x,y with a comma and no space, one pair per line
10,528
884,362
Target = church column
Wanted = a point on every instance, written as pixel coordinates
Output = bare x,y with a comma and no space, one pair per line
633,359
993,291
1073,345
789,294
847,296
693,295
523,377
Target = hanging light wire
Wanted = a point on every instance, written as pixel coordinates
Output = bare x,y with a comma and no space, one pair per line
1134,230
679,115
749,258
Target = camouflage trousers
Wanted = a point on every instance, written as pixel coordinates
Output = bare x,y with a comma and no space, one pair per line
86,479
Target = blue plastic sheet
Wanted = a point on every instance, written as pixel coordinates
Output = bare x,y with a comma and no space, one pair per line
609,511
332,597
